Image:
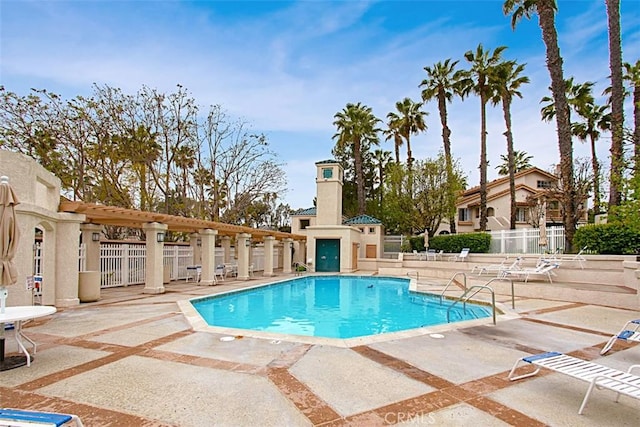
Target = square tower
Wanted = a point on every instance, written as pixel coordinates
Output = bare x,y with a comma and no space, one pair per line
329,178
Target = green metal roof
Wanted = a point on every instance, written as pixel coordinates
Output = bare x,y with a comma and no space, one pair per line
305,212
322,162
362,219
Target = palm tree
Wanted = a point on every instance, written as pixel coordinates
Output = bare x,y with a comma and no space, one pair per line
382,158
356,123
580,99
478,80
596,119
632,75
546,10
393,131
507,83
521,161
617,103
410,121
442,83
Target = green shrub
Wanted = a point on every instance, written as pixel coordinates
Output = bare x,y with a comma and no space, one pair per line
454,243
615,239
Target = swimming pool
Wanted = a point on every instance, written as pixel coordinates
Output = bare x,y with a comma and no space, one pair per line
331,307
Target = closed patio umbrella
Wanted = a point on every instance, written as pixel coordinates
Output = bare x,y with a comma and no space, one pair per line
543,231
9,236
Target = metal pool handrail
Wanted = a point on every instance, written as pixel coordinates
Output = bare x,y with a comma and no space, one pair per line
464,276
495,279
464,298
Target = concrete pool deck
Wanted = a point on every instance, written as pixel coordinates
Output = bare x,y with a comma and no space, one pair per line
133,359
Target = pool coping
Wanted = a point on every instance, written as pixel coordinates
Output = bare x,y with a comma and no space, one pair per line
198,324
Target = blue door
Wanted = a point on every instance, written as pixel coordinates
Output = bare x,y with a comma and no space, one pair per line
328,255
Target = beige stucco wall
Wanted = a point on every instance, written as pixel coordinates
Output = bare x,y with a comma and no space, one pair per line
38,191
329,194
346,235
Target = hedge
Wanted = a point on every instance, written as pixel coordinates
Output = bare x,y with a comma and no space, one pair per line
614,239
454,243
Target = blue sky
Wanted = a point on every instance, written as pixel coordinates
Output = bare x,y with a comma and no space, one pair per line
288,66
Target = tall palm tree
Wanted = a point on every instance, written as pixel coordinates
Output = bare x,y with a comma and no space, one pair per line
478,80
521,161
382,158
507,83
617,103
596,119
356,123
442,83
546,11
410,120
632,75
393,131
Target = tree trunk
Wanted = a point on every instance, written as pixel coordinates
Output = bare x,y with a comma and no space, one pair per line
546,18
446,143
596,175
483,160
636,134
617,101
359,175
506,109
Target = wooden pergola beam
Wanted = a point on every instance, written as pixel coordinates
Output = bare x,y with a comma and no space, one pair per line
123,217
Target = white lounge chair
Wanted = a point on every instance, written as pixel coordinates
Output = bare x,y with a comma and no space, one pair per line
22,418
598,376
499,268
543,269
462,256
630,332
577,257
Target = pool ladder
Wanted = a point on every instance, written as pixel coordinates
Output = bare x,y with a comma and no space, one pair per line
468,294
296,265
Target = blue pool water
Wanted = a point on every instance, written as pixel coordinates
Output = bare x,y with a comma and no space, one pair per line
332,307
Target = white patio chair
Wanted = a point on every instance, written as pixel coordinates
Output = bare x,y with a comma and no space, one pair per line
630,332
462,256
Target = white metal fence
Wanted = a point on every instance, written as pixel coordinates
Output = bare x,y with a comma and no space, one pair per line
521,241
526,241
123,264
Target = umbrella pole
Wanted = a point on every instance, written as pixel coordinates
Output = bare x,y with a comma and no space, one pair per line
3,298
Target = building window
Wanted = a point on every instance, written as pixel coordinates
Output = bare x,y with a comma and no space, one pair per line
372,230
491,212
327,173
304,223
361,230
463,214
553,204
521,215
544,184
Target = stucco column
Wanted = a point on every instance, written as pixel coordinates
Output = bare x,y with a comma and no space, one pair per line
66,265
243,246
207,275
286,255
92,247
268,256
154,261
226,249
302,251
196,244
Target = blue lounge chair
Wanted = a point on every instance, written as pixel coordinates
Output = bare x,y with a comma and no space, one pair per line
598,376
22,418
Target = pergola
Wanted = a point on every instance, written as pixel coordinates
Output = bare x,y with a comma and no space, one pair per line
155,224
123,217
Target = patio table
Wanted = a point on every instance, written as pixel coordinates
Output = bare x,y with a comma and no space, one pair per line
18,315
